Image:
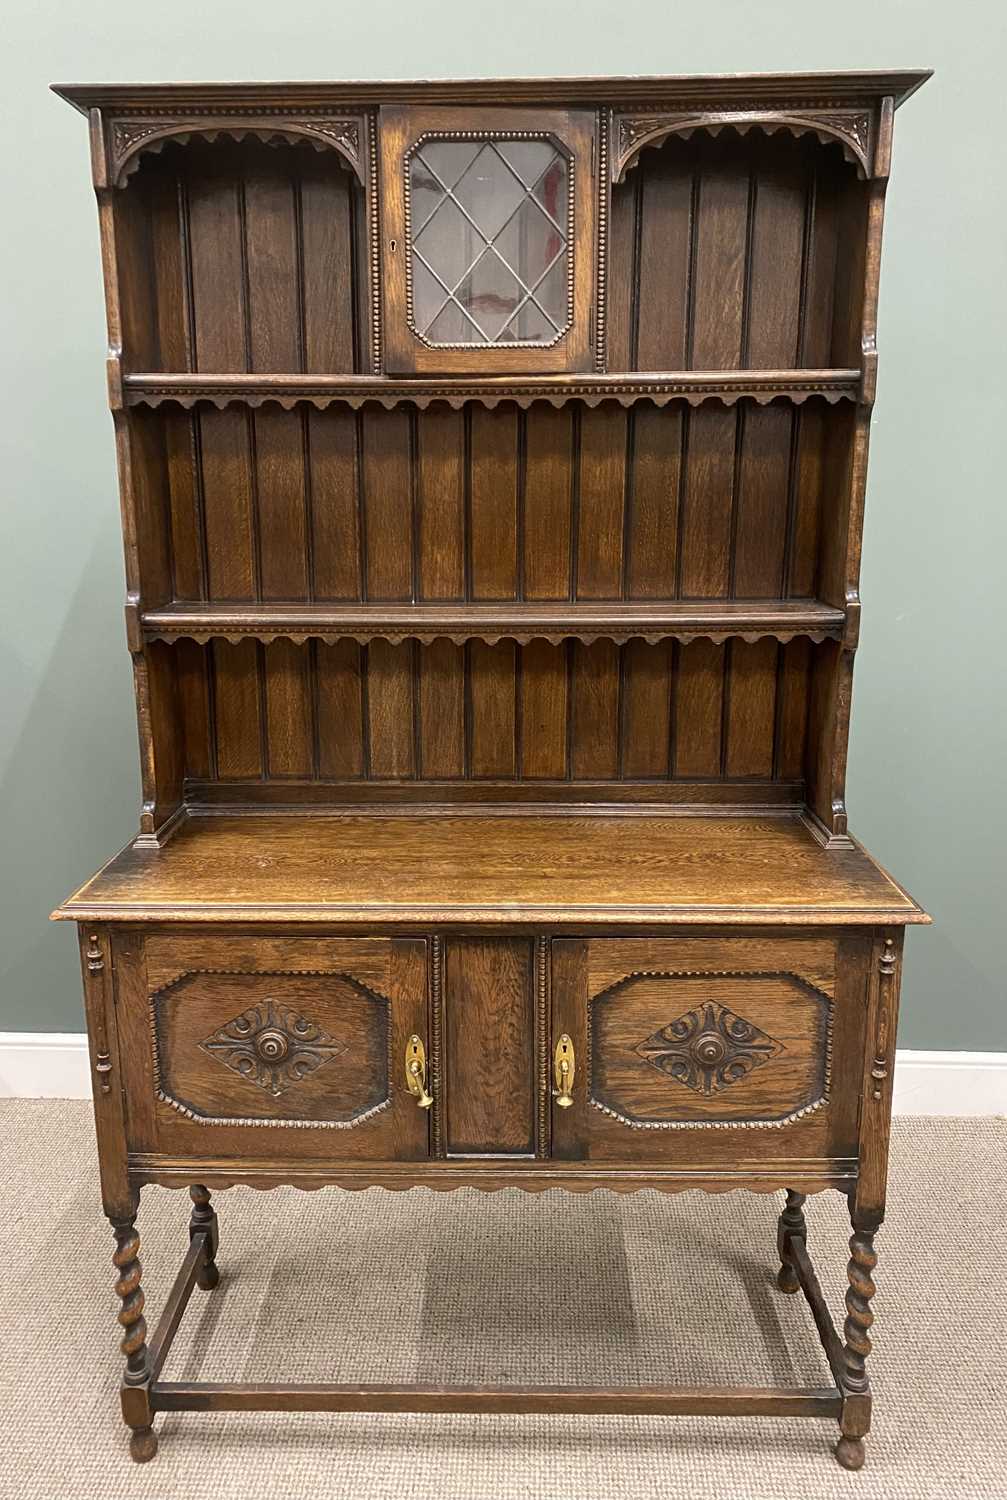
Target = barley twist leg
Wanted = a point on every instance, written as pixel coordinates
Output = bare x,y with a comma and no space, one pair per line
143,1439
856,1412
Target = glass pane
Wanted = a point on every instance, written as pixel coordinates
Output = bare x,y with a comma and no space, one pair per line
453,327
449,244
426,192
529,243
490,261
489,191
530,326
550,191
550,294
450,158
528,159
428,295
490,293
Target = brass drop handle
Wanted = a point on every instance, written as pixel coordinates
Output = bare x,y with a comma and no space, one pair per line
564,1066
416,1073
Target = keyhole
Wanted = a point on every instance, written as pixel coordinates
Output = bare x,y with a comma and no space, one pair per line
393,245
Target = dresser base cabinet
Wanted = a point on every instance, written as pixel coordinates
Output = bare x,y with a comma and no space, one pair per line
673,1061
492,463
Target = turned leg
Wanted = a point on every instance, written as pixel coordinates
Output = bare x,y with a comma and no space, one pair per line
135,1405
856,1416
204,1221
792,1226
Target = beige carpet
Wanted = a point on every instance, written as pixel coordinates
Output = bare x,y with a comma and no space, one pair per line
464,1287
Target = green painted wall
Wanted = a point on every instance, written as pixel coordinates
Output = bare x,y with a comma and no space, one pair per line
930,715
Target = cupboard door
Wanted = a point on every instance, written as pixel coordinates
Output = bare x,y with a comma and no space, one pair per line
709,1048
488,253
274,1046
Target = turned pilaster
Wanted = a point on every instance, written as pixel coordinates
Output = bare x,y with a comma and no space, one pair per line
855,1419
126,1259
792,1226
203,1220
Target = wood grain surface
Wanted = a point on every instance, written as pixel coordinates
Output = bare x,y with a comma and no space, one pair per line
485,868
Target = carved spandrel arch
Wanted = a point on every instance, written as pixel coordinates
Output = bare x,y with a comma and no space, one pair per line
853,128
127,139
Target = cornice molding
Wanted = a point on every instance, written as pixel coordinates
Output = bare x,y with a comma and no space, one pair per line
728,90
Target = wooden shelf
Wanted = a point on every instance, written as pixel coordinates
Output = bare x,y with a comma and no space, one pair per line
693,386
485,868
715,619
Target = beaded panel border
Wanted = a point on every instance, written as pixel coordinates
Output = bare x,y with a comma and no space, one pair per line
602,129
260,1122
777,1124
491,135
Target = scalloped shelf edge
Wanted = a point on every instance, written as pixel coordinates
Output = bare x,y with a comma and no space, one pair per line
590,396
489,637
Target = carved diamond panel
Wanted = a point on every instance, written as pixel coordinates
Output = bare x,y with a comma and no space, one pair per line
709,1048
247,1046
272,1045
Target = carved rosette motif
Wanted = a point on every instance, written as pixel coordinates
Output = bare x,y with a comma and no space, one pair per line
129,138
709,1048
850,127
273,1046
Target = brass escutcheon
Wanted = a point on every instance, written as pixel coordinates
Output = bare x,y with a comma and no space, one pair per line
416,1073
563,1069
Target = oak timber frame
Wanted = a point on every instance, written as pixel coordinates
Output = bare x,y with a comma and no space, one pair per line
490,691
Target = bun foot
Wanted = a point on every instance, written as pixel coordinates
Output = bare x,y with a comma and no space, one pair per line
786,1279
142,1445
850,1452
208,1277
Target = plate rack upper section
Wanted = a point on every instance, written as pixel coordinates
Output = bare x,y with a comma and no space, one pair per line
744,196
493,441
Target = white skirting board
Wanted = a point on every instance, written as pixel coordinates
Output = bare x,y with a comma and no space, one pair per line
53,1065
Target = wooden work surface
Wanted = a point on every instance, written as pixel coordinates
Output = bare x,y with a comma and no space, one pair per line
404,868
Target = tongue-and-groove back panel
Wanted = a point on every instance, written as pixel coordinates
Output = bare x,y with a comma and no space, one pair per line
722,254
578,503
583,713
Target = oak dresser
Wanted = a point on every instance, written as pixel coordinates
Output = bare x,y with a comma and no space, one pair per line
492,462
